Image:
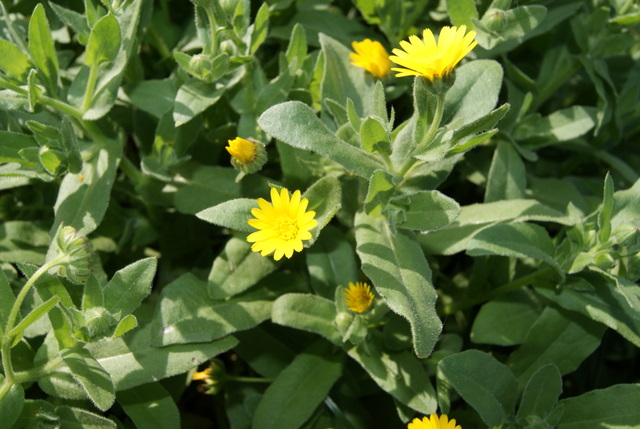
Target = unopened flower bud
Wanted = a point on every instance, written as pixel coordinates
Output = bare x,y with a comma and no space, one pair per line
200,66
495,19
99,322
75,257
247,156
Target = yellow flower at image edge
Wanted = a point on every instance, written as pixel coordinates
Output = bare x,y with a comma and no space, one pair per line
371,56
282,224
434,422
359,297
432,59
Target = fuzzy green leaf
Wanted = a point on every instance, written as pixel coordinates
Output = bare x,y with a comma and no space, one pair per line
507,176
95,381
612,407
429,210
129,286
13,61
541,392
308,313
104,41
42,48
11,403
150,406
401,275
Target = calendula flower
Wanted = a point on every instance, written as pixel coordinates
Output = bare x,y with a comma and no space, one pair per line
359,297
371,56
282,224
432,59
212,378
434,422
246,155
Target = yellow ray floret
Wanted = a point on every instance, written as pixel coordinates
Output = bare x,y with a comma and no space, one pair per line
432,59
359,297
434,422
371,56
282,224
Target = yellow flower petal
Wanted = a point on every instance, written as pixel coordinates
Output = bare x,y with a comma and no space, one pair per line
371,56
359,297
434,422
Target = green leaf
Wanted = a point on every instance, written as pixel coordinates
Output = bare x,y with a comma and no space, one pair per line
398,373
374,136
455,237
507,176
78,418
461,137
461,12
297,125
325,198
599,301
505,321
260,28
93,295
541,392
308,313
11,403
14,62
483,382
341,80
42,48
561,125
380,191
73,19
232,214
604,215
186,314
401,275
104,41
474,93
237,268
297,48
6,302
95,381
193,98
557,339
153,96
614,406
129,286
12,144
301,387
519,240
150,406
331,261
83,198
32,317
125,325
429,210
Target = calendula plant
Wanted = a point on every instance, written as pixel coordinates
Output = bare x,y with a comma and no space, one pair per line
319,214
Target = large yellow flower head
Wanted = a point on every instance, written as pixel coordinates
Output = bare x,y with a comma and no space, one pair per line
432,59
244,151
371,56
359,297
434,422
282,224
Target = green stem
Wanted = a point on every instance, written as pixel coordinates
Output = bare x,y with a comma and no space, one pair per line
501,290
249,379
91,87
60,106
38,372
13,316
131,171
435,122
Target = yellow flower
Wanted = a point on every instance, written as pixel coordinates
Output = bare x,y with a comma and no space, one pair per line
371,56
281,225
359,297
244,151
432,59
433,422
203,375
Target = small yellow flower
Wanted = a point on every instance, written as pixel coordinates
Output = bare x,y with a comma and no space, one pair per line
244,151
203,375
282,225
371,56
433,422
432,59
359,297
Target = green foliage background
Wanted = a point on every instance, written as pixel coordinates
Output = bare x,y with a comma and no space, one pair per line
502,242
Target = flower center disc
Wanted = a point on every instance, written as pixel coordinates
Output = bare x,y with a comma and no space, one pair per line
287,228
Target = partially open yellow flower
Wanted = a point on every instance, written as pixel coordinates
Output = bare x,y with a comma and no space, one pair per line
434,422
359,297
282,224
244,151
371,56
432,59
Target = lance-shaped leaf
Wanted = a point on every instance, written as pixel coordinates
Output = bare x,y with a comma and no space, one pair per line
613,407
32,317
429,210
401,275
297,125
233,214
309,313
380,191
90,375
42,48
290,400
483,382
541,392
129,286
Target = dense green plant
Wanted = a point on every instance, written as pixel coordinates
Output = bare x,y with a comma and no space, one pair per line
494,210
